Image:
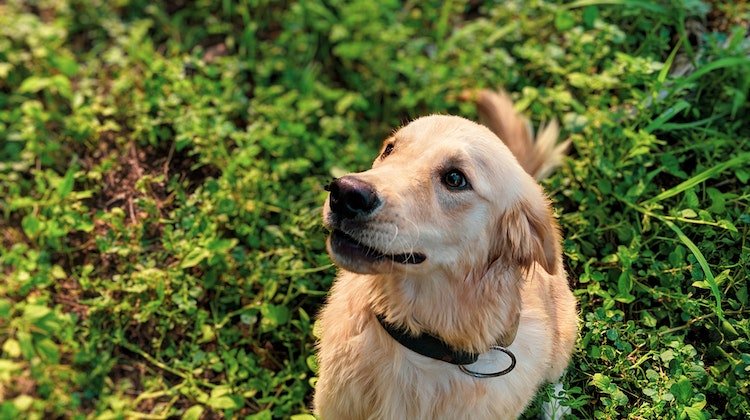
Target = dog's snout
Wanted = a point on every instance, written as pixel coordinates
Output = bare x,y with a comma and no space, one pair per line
351,197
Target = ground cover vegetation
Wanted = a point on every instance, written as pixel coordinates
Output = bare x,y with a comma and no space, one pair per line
162,167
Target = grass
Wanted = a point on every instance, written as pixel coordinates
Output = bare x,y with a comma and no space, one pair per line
161,173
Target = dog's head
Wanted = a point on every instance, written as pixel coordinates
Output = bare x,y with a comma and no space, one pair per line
444,194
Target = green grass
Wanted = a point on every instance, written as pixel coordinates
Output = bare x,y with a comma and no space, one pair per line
161,173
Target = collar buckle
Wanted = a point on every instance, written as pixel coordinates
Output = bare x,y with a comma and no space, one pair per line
482,375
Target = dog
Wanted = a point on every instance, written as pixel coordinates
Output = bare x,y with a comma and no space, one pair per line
451,301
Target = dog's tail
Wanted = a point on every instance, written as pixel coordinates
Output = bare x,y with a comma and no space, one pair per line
538,157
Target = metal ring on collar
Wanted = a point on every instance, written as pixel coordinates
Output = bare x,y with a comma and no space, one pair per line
481,375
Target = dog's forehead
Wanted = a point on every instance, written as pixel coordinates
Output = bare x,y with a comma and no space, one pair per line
444,136
441,128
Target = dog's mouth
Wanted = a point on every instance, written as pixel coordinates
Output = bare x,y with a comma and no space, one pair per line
346,246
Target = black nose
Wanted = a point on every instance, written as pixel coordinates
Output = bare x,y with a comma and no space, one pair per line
351,197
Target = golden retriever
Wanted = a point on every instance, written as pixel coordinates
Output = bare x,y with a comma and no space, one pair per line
448,239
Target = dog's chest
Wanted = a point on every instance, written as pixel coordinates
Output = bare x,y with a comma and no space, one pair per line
383,380
366,374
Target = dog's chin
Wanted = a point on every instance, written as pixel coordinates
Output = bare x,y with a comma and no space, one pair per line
352,255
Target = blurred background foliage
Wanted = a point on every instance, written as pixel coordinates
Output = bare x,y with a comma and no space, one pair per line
161,173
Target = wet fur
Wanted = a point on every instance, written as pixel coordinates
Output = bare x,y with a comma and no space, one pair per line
493,274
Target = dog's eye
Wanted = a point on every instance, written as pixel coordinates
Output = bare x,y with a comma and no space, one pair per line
455,180
387,151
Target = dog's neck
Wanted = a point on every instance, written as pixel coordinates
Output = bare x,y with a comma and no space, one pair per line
470,312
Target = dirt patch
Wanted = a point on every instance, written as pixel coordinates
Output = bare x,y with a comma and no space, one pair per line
68,295
10,232
23,385
133,171
131,175
124,166
726,15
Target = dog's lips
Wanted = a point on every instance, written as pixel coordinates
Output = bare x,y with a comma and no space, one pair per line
345,245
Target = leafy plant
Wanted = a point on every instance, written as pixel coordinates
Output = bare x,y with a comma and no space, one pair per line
161,173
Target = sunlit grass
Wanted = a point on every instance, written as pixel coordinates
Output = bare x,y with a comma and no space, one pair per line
162,170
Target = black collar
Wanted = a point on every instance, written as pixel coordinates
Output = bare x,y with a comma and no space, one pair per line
428,345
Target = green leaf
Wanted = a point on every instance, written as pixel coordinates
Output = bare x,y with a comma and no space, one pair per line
682,390
194,257
691,198
712,66
31,225
221,399
619,397
261,415
5,308
601,381
221,246
9,367
67,65
668,63
26,344
57,272
312,363
193,413
742,158
32,313
273,316
48,350
624,286
62,85
590,13
688,213
667,355
648,319
224,402
646,5
717,201
23,402
12,348
728,329
66,185
667,115
34,84
742,295
695,413
5,69
700,284
207,333
564,20
703,264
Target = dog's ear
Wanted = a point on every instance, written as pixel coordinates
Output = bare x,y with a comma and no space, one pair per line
529,232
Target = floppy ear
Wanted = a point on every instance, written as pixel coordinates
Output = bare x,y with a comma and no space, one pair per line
528,233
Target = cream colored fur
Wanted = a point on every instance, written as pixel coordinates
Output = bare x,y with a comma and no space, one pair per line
493,274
